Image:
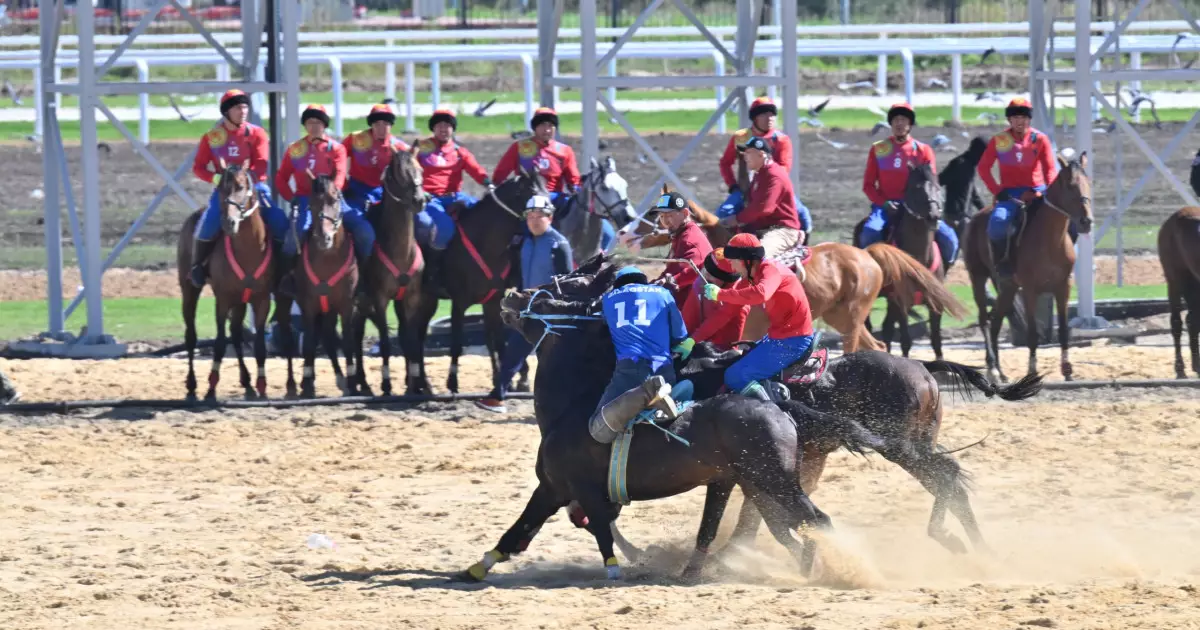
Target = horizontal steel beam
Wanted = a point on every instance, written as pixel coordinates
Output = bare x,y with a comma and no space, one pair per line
1124,76
660,82
168,87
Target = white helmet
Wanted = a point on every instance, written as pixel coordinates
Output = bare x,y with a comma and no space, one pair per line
539,202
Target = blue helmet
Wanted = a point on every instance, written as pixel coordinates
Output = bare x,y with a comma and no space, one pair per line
629,275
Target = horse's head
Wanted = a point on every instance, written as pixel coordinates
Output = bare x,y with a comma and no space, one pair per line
403,180
608,193
648,230
923,196
325,204
576,293
515,192
238,199
1071,192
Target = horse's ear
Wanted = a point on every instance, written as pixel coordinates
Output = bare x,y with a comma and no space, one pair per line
1083,160
665,189
594,163
1062,163
610,163
414,149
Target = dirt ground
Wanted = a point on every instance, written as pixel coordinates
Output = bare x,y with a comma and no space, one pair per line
120,519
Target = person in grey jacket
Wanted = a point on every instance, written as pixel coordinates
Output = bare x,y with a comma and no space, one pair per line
545,253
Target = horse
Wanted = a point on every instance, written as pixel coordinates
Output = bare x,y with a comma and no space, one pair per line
603,194
325,292
1044,258
1179,254
393,274
913,233
841,281
475,270
734,441
240,274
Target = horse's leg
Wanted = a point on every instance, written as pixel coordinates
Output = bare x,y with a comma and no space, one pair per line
191,296
283,315
1029,300
979,291
746,529
329,339
905,333
714,508
935,333
237,336
413,340
307,382
541,506
523,386
889,325
785,508
352,348
1175,299
494,329
262,307
1064,331
601,515
942,476
1193,322
214,374
457,316
1004,305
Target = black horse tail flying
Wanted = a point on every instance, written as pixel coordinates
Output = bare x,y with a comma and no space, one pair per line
813,425
968,377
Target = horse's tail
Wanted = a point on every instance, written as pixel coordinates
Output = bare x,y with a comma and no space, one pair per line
1028,387
907,277
818,426
183,247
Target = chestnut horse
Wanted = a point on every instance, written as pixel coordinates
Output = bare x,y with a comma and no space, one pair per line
1179,253
241,273
1044,258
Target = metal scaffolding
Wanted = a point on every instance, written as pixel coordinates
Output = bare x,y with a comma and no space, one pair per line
594,64
90,88
1087,77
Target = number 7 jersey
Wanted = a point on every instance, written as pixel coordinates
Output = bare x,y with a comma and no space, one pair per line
644,323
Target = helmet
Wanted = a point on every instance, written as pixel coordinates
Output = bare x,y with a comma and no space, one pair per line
718,267
232,99
315,111
541,115
1018,107
902,109
755,142
539,203
629,275
380,112
443,115
762,105
745,247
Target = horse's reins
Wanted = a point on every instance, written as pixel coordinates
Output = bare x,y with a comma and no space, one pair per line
670,260
492,193
548,325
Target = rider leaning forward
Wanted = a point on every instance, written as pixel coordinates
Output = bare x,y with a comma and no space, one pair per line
718,323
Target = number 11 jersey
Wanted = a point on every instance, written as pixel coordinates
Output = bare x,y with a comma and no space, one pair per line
644,323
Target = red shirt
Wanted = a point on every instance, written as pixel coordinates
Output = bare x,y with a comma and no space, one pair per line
886,177
1024,163
781,151
369,157
718,322
780,293
321,155
689,243
771,202
235,146
443,167
555,162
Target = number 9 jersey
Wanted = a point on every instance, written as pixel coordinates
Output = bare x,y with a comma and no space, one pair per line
644,323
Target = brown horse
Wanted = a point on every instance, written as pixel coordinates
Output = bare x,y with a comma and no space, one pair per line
841,281
325,291
393,274
1179,253
240,274
1044,259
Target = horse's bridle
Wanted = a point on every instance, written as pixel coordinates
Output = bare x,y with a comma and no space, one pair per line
594,176
246,209
492,193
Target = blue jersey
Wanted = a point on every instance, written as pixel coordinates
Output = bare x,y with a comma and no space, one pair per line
644,323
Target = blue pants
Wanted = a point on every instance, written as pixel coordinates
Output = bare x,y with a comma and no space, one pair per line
356,222
434,226
629,374
1006,211
767,359
360,196
516,349
210,222
877,221
735,203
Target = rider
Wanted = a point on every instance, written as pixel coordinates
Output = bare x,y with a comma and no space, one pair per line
688,242
1027,166
544,254
716,322
886,179
644,324
369,152
234,141
443,163
762,124
770,210
777,289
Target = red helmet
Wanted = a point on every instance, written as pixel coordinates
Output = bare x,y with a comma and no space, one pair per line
232,99
315,111
443,115
762,105
1019,107
541,115
380,112
745,246
902,109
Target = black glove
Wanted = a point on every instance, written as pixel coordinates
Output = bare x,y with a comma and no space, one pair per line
1003,196
732,189
891,207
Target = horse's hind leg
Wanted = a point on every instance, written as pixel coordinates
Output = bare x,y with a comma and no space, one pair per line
1193,322
283,315
1064,331
308,387
415,329
330,340
601,516
457,317
935,333
1175,299
1004,305
785,509
214,375
190,297
905,332
714,508
237,331
541,506
942,476
1029,300
523,386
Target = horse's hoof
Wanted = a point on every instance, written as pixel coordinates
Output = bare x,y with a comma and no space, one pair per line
250,394
522,386
191,396
452,385
691,575
464,577
211,396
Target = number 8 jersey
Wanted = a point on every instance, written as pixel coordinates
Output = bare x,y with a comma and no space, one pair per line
644,323
886,176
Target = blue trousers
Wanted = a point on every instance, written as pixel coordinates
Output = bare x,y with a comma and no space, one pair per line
360,196
877,221
767,359
209,224
434,226
735,203
356,222
1006,211
516,349
629,374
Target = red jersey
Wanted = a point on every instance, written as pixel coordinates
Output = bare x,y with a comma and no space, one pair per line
235,146
369,157
772,202
1024,163
717,322
886,177
689,243
781,151
321,155
780,293
554,161
443,167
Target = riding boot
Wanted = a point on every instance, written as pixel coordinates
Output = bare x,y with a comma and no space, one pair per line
433,264
755,389
1000,257
610,420
361,290
201,250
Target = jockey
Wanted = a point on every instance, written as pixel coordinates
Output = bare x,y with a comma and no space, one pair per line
443,162
369,152
644,324
688,242
770,209
1027,166
886,179
545,253
762,124
542,154
233,141
716,322
779,291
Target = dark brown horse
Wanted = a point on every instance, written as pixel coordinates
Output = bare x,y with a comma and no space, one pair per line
1179,253
393,275
328,274
1044,258
241,273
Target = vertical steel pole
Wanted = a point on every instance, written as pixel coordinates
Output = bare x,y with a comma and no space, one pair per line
90,170
789,74
588,73
51,214
1084,277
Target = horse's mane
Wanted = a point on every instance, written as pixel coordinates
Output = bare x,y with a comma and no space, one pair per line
322,185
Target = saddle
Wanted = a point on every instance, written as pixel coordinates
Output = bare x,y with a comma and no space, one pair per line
797,256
